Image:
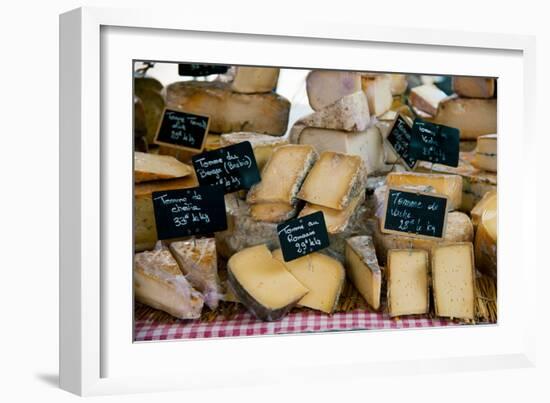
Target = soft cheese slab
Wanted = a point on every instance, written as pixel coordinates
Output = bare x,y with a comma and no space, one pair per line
150,167
334,180
263,284
159,283
453,280
322,275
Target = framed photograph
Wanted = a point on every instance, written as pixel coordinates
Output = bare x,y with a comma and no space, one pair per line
206,248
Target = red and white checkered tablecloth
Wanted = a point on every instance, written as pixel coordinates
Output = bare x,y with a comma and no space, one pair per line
244,324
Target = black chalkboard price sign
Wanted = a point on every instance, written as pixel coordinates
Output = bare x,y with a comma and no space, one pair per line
399,139
193,211
435,143
234,167
201,70
182,130
417,214
302,236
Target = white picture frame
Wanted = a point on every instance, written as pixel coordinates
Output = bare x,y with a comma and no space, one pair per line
97,355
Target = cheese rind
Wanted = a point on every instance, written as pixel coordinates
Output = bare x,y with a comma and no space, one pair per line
322,275
324,87
449,185
283,175
426,98
262,144
334,180
474,87
378,91
250,80
198,261
335,220
408,288
473,117
263,284
159,283
230,111
363,269
272,212
486,240
486,153
453,280
150,167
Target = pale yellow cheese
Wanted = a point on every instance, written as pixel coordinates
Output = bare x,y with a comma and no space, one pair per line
449,185
325,87
473,117
408,289
322,275
262,283
262,144
486,240
489,200
474,87
453,277
379,94
283,175
255,79
335,220
272,212
334,180
363,269
426,98
150,167
398,83
486,153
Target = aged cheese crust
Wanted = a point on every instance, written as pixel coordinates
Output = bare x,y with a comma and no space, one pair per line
272,212
283,175
324,87
159,283
486,240
231,111
150,167
486,153
348,177
262,144
198,261
250,80
474,87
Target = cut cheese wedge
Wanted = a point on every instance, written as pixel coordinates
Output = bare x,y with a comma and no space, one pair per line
378,90
263,284
159,283
474,87
453,280
335,220
324,87
363,269
272,212
486,153
488,201
486,240
322,275
334,180
198,261
150,167
448,185
426,98
408,288
262,144
249,80
283,175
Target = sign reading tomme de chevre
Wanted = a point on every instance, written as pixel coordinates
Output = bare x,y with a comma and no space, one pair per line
302,236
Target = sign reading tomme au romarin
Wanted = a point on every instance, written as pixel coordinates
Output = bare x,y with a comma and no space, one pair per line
417,214
182,130
302,236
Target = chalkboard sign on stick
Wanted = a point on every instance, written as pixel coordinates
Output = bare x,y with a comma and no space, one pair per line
435,143
399,138
302,236
234,167
182,130
193,211
416,214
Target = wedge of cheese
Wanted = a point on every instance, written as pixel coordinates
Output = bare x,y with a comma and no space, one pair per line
367,144
474,87
150,167
334,180
263,284
398,84
336,220
459,229
324,87
198,261
473,117
250,80
350,113
159,283
283,175
272,212
486,240
408,288
145,231
262,144
230,111
453,280
489,200
486,153
426,98
449,185
379,94
363,269
322,275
